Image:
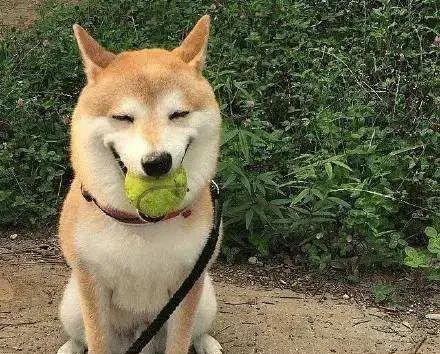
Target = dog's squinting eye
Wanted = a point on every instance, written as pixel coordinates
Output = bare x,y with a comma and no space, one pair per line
178,114
123,117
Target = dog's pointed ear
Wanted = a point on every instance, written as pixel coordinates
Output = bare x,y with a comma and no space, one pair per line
194,46
94,57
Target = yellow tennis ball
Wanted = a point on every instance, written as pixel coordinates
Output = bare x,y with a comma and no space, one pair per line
156,197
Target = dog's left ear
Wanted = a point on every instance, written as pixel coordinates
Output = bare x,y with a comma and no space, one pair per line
194,46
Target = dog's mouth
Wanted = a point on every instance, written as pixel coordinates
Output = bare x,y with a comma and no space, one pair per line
118,160
190,140
124,168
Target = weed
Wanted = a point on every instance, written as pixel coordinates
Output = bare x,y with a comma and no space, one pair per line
331,129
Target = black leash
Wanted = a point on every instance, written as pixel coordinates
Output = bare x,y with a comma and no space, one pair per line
200,266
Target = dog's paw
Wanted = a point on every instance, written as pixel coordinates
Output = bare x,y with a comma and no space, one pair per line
71,348
205,344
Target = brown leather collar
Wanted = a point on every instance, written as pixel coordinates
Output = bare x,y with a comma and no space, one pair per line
131,218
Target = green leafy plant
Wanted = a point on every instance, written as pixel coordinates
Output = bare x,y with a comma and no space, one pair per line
426,259
331,132
384,293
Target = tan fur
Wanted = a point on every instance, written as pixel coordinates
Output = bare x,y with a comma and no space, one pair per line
67,223
89,294
146,76
75,208
195,42
179,336
91,49
146,85
151,131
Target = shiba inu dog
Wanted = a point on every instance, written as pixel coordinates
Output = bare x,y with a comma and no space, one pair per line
149,112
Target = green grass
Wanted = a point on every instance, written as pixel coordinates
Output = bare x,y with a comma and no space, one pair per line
331,110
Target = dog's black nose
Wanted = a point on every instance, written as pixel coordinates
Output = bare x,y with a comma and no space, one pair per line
157,164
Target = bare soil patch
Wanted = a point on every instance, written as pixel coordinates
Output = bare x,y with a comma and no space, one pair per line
17,13
20,13
255,315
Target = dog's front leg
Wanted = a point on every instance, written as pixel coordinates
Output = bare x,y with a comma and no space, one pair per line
91,302
181,325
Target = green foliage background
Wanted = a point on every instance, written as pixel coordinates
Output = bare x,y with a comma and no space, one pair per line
331,110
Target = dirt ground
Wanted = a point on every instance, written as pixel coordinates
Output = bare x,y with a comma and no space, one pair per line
18,13
255,315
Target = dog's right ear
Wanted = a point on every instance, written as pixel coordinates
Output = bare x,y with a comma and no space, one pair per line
95,57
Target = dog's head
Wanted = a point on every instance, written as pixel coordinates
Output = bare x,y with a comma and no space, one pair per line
148,111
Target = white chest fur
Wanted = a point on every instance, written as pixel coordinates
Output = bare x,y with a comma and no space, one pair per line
142,265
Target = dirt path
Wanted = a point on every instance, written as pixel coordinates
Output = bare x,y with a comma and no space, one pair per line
252,318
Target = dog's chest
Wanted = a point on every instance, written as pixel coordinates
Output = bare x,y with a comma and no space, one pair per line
141,265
